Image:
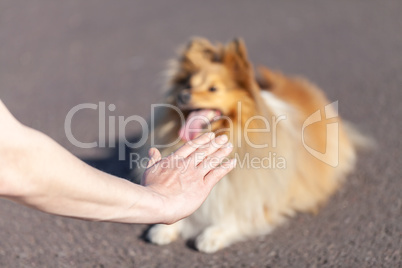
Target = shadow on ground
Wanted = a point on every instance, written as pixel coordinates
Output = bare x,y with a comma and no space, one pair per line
111,163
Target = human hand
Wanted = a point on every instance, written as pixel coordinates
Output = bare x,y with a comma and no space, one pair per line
183,180
175,186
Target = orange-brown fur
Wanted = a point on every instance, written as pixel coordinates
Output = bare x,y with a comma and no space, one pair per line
251,201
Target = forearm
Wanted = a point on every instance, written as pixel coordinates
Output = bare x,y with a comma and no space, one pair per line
38,172
51,179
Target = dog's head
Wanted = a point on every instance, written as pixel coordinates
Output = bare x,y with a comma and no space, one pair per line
210,80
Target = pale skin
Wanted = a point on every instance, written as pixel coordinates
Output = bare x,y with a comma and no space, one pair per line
37,172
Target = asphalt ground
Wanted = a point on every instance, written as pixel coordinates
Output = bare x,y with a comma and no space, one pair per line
58,54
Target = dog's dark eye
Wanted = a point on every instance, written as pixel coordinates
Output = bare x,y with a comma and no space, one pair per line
213,89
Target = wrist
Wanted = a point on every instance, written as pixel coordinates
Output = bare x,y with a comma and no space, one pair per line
156,206
141,205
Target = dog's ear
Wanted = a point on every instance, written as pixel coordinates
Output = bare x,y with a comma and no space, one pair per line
236,60
198,52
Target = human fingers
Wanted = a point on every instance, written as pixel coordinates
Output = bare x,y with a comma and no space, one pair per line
216,159
190,146
154,156
205,151
218,173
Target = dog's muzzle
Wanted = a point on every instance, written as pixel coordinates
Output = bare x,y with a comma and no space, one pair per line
184,97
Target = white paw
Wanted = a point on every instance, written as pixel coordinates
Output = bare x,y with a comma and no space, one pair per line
212,240
162,234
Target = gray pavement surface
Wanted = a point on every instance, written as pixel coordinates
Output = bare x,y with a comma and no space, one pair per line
57,54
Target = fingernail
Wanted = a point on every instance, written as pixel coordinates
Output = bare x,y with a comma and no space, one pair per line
222,139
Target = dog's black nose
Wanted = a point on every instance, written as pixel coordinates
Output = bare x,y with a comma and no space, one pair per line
184,97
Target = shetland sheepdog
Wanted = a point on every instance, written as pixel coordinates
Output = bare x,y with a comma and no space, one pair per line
293,151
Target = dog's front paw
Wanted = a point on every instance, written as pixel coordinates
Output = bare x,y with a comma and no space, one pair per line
213,239
162,234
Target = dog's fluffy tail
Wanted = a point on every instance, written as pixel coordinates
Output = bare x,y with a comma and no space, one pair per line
359,140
